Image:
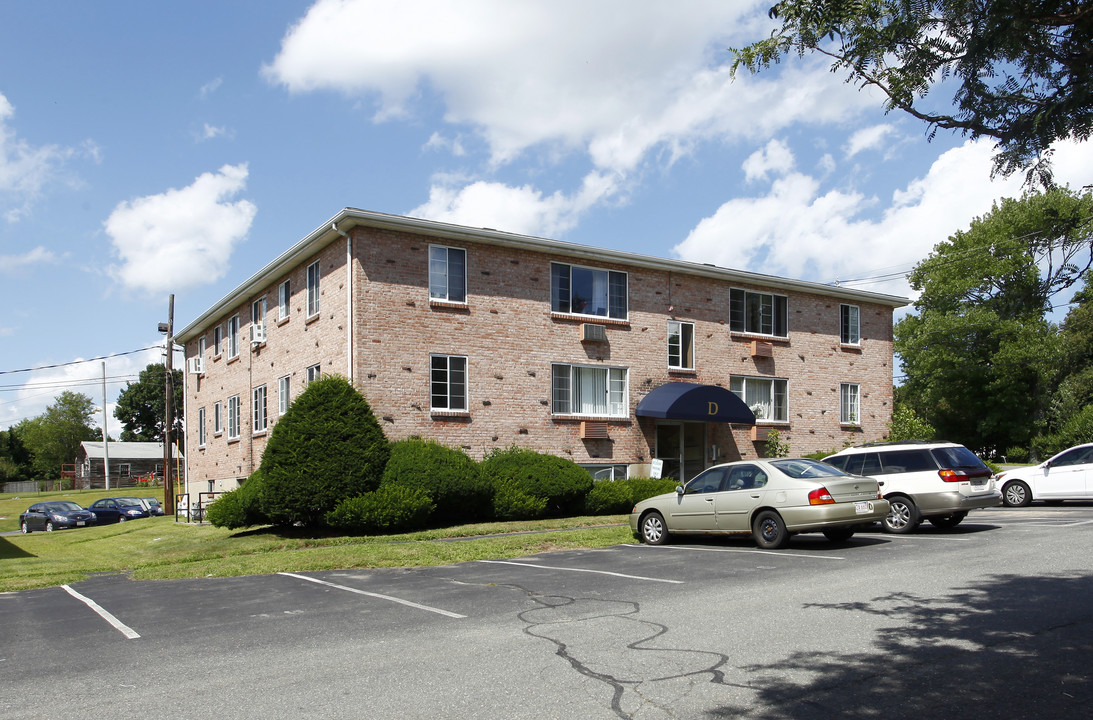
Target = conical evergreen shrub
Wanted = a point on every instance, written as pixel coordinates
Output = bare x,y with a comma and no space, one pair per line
326,448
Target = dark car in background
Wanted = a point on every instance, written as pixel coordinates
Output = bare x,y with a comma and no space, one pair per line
118,509
155,507
54,515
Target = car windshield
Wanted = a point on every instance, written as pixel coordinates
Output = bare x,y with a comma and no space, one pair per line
958,457
805,468
153,501
63,506
128,501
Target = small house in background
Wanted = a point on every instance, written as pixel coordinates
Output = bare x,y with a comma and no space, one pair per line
132,464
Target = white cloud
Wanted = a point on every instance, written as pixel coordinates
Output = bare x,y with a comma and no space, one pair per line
619,79
25,170
797,231
210,132
869,138
210,87
775,157
9,264
183,237
523,210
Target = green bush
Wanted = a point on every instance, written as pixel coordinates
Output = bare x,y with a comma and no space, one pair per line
239,508
1017,455
510,502
392,508
617,497
452,480
326,448
561,483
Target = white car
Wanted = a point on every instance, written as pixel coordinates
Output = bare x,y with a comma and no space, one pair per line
1066,476
935,481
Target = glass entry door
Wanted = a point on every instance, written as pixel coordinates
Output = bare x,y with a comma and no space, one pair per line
681,446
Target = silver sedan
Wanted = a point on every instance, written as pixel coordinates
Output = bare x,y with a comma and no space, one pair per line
769,499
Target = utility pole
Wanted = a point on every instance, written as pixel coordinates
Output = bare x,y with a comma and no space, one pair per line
168,479
105,436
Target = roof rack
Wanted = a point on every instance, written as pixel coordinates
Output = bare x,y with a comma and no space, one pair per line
917,441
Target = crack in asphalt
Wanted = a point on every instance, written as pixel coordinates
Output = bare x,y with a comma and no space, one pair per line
600,639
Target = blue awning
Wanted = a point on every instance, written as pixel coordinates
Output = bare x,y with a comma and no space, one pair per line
690,401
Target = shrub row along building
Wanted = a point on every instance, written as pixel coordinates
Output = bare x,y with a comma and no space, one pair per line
481,339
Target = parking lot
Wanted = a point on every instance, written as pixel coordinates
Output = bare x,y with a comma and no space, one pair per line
992,619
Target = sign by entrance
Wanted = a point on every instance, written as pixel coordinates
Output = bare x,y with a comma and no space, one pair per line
656,467
712,408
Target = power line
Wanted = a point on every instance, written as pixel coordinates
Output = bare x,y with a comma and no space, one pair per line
80,362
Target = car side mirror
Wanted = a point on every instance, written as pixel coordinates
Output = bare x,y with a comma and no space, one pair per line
679,489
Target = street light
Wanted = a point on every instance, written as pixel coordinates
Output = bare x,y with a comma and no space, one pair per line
168,425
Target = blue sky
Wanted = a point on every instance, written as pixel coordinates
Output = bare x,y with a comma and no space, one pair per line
150,148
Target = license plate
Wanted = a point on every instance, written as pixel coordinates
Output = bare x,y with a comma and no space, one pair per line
80,523
862,508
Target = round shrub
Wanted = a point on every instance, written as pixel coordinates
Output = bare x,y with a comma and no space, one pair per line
609,497
561,483
240,507
451,479
642,488
326,448
510,502
392,508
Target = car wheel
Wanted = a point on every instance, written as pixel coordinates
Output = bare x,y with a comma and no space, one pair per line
122,518
1016,494
49,527
947,522
769,530
902,517
839,534
23,528
653,529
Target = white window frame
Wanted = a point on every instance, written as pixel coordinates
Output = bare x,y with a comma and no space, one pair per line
758,313
201,430
261,418
447,279
314,278
681,345
562,299
750,389
233,337
448,383
218,339
234,431
284,398
850,404
218,418
568,382
201,348
258,311
850,325
284,300
314,372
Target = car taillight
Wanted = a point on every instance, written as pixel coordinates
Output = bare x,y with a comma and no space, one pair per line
953,475
820,496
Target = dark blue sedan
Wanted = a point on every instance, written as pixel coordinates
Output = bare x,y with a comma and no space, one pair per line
54,515
118,509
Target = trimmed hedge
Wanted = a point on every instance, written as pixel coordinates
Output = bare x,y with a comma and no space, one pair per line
392,508
452,480
618,497
326,448
522,477
239,508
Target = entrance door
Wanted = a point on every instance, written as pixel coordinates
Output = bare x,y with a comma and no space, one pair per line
682,448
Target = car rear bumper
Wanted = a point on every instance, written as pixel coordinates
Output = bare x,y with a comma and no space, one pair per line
950,502
818,517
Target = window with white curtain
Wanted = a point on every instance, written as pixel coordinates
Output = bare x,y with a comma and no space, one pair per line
766,397
587,291
681,345
584,390
850,325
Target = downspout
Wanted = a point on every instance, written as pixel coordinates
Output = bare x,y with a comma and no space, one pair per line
348,299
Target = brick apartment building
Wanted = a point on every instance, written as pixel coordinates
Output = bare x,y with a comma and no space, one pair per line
483,339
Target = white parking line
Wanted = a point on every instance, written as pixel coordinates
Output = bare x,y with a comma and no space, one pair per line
118,624
585,570
438,611
734,550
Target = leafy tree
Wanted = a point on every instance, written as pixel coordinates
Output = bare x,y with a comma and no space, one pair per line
141,405
1021,69
53,438
980,357
1069,416
907,425
328,447
15,459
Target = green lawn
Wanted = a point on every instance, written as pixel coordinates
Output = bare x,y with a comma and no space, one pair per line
160,548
